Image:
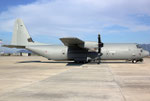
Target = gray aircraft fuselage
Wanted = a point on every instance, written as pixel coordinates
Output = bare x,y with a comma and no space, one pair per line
76,49
110,51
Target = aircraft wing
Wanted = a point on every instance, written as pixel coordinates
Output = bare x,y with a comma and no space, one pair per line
72,41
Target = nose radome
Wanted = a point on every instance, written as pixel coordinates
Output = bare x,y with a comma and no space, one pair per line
146,53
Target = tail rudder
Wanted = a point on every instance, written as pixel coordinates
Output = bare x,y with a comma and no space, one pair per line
21,36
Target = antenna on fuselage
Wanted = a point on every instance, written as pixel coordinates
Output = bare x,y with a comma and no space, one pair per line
100,45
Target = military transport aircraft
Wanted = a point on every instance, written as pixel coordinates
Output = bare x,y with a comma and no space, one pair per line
76,49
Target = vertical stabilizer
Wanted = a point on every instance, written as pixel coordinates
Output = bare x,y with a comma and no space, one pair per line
21,36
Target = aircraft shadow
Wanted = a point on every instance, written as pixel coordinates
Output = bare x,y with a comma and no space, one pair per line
115,62
79,64
68,63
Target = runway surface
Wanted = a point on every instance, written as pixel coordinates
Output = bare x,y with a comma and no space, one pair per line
37,79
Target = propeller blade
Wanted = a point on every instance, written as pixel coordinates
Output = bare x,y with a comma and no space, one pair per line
100,45
99,41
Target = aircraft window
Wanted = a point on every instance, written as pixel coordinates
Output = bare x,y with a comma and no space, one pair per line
138,46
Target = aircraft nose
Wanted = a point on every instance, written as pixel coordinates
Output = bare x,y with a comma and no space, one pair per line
146,53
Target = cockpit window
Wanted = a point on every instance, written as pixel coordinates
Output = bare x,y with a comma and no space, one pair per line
138,46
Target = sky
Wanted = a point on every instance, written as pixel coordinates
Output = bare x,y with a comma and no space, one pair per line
118,21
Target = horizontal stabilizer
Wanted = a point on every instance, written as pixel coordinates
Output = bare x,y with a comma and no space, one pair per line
13,46
72,42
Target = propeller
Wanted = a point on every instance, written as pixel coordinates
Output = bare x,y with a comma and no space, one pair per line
100,45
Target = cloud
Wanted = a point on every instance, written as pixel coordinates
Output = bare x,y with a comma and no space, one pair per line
61,18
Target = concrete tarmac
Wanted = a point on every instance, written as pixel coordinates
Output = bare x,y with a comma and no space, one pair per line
38,79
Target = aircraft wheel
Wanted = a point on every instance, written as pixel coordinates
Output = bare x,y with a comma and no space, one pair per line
84,62
88,61
141,60
134,61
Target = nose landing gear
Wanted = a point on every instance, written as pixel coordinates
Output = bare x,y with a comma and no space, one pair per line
135,61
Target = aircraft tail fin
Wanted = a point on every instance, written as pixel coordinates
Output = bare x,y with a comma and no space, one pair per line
21,36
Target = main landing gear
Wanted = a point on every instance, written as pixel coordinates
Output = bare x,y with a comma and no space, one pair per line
81,62
135,61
